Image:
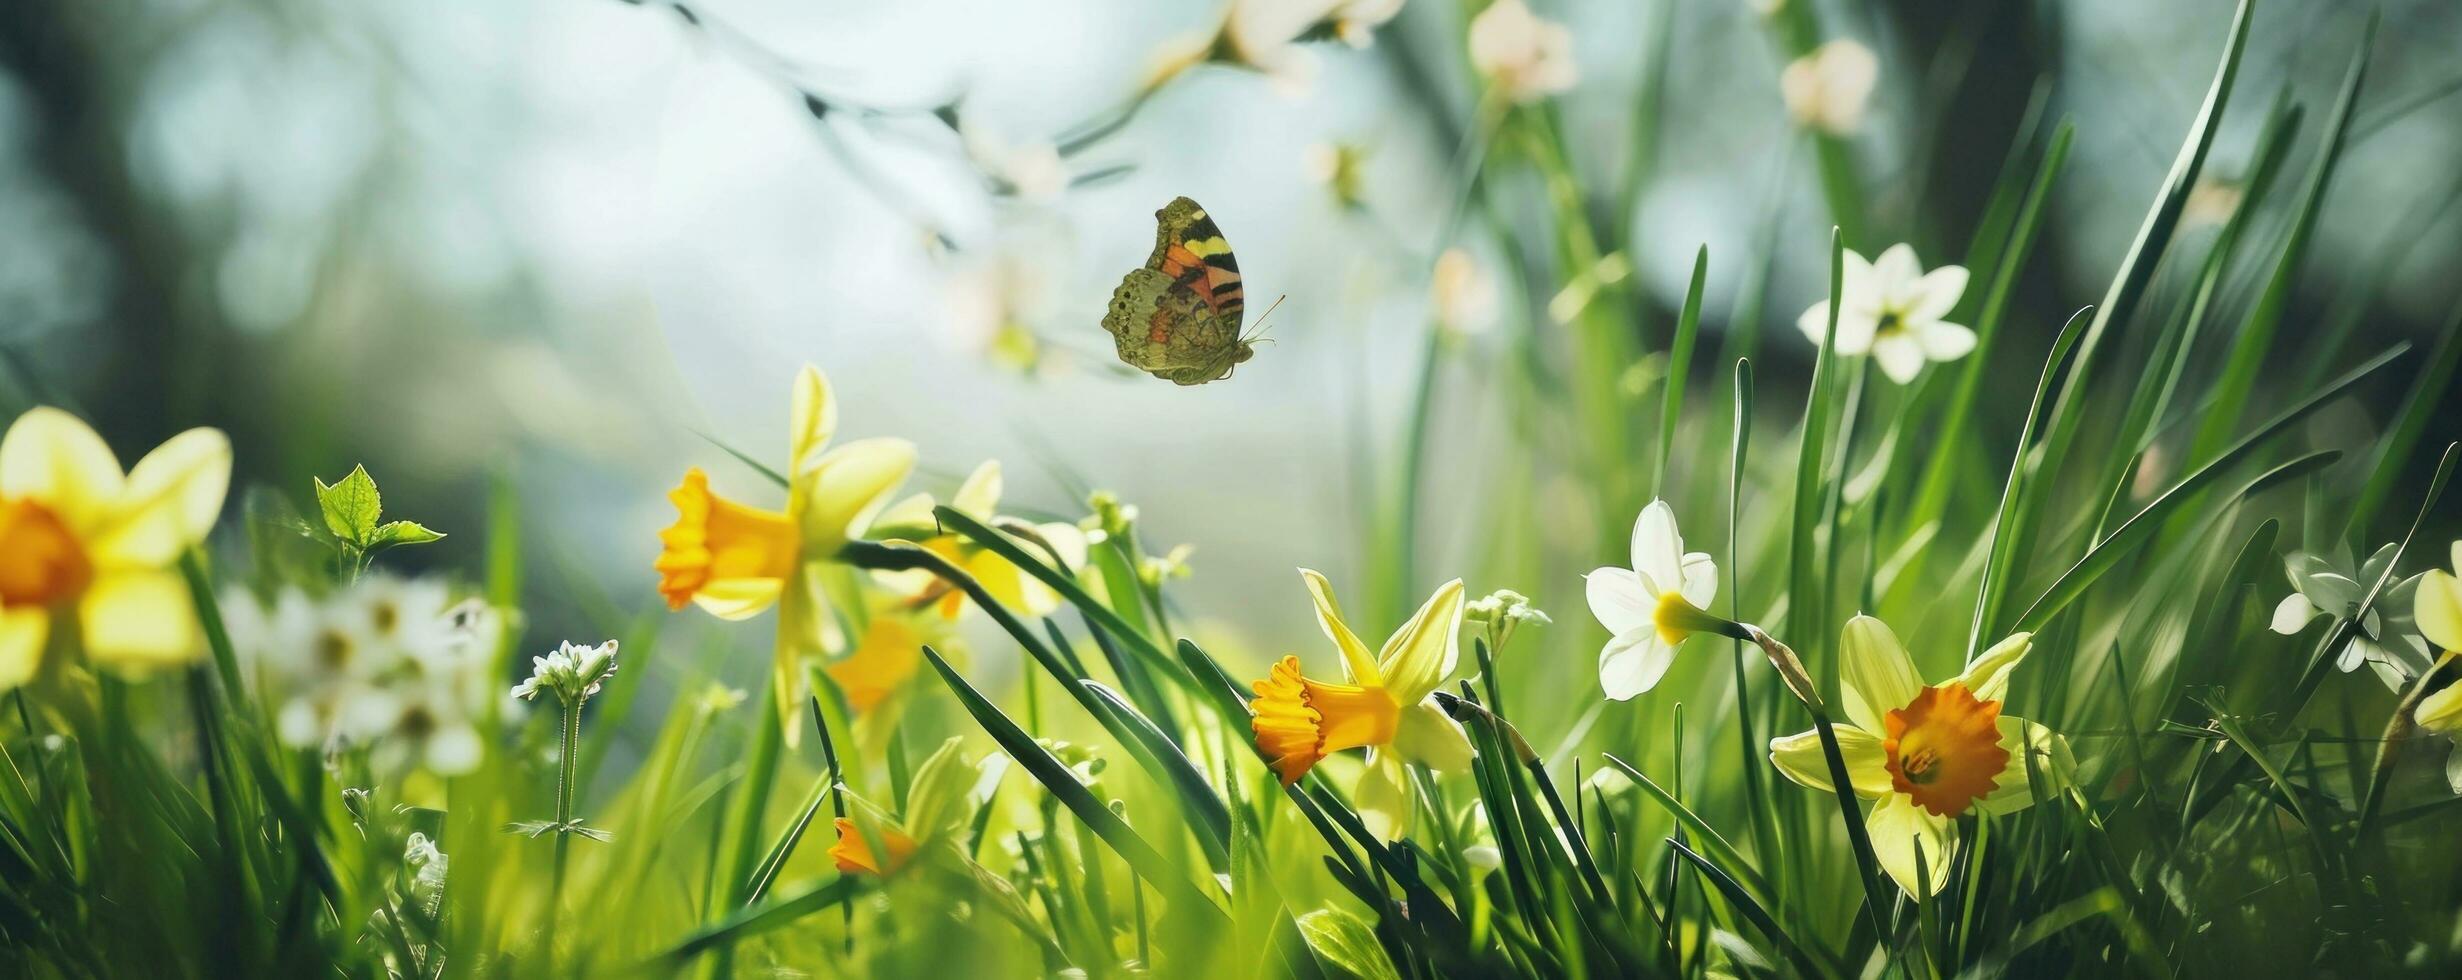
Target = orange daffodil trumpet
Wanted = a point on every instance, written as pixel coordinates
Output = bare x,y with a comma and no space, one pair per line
1654,606
1928,755
1384,705
735,560
90,553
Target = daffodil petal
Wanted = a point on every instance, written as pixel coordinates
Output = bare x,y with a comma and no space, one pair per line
1899,357
1937,292
815,417
1633,662
2441,712
1799,757
1815,322
2437,607
2292,614
1383,798
1425,736
1900,829
2040,766
23,629
1418,657
1988,677
738,598
1944,341
138,621
1875,675
2334,591
1856,332
840,492
1357,663
170,501
1658,549
1700,579
1895,271
979,496
1618,600
911,511
55,458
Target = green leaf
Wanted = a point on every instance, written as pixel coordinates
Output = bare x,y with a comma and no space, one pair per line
350,505
402,532
1346,942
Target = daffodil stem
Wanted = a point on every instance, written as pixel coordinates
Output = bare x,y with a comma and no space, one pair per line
2398,731
1791,670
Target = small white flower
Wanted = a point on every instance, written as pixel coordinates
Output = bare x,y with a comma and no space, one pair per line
2388,640
1484,857
1523,55
1892,309
1652,607
1829,89
572,673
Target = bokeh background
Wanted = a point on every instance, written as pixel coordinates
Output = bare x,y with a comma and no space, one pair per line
561,245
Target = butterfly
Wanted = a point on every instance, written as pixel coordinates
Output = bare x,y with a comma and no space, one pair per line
1178,317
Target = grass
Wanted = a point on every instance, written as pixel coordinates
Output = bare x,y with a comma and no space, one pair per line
2236,805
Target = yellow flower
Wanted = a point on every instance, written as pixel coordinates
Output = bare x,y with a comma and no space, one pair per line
1384,706
2437,607
96,549
978,498
885,657
852,856
1927,755
736,560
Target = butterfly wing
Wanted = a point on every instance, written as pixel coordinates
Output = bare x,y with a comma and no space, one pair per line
1190,248
1178,317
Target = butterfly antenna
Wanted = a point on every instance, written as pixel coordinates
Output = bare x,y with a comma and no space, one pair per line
1259,333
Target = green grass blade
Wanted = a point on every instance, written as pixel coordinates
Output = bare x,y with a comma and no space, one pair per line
1142,858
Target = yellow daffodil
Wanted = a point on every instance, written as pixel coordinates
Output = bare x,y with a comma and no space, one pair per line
736,560
1926,755
1384,705
887,655
978,498
87,548
1651,608
942,794
2437,608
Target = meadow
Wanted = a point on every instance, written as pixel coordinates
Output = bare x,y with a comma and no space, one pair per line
1928,621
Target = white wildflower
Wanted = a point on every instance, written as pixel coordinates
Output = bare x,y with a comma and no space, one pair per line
1523,55
1892,310
1830,88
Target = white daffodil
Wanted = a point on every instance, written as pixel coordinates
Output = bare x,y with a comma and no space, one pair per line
1385,706
1652,607
1830,88
1927,755
1892,309
2387,641
1525,56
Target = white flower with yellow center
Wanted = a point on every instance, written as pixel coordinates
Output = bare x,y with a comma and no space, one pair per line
1892,310
1927,755
90,553
1652,607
